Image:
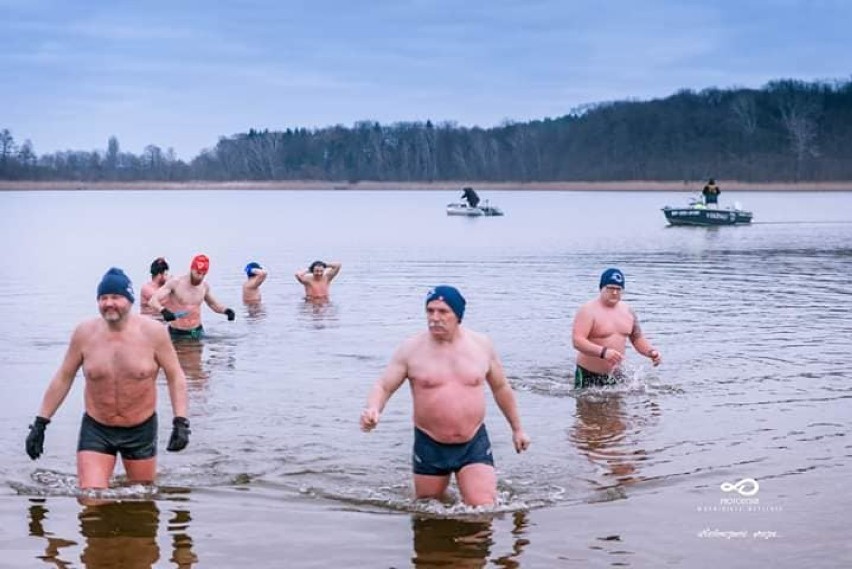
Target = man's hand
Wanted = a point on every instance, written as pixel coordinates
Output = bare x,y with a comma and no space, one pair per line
35,440
230,314
655,356
613,356
168,315
180,434
521,441
369,419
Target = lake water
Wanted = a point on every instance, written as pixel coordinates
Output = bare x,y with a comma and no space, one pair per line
753,324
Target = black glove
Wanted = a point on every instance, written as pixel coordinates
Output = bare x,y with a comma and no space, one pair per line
35,440
168,315
230,314
180,434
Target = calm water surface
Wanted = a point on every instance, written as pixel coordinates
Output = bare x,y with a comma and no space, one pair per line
753,324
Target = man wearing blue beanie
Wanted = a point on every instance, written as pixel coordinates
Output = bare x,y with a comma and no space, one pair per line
251,288
601,329
448,366
121,355
116,282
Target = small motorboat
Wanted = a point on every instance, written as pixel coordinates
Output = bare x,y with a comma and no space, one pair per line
484,209
474,206
699,214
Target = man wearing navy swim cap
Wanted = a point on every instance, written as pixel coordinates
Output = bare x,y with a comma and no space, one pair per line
448,366
251,287
602,327
121,355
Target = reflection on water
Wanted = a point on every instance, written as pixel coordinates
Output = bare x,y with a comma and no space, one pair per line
255,312
610,437
115,534
319,313
454,542
189,354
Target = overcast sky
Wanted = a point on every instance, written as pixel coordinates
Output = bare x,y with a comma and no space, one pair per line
182,73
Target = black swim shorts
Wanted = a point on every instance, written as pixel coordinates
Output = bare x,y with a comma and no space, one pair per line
194,334
134,443
585,378
440,459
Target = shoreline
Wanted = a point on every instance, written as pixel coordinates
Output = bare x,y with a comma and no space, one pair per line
323,185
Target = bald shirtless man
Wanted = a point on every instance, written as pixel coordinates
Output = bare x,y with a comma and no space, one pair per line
179,301
121,354
447,367
317,278
602,327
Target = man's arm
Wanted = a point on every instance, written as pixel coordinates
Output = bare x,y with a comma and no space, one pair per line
257,278
166,356
302,275
333,269
211,301
641,343
505,399
582,329
63,379
162,293
394,375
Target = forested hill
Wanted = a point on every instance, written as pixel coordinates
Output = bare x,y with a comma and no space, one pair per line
786,131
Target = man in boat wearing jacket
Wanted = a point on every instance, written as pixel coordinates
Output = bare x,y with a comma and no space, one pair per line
711,194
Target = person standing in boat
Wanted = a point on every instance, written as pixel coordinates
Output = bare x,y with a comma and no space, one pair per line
602,327
470,196
711,194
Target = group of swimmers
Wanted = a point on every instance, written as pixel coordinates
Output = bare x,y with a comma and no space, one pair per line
447,365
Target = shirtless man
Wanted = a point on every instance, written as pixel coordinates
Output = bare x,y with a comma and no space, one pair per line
447,368
159,276
121,354
317,278
602,327
179,301
251,288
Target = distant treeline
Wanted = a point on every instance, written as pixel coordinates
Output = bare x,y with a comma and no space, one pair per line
788,130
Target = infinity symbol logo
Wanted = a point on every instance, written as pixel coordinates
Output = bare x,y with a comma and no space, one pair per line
745,487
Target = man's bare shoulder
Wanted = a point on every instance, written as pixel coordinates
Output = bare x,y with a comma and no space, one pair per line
87,327
414,342
587,307
150,328
478,338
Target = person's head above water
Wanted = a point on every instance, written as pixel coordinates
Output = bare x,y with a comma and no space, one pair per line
200,264
451,296
116,282
252,266
317,265
612,277
159,266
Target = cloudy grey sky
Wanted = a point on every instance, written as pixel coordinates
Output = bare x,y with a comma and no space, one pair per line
182,73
